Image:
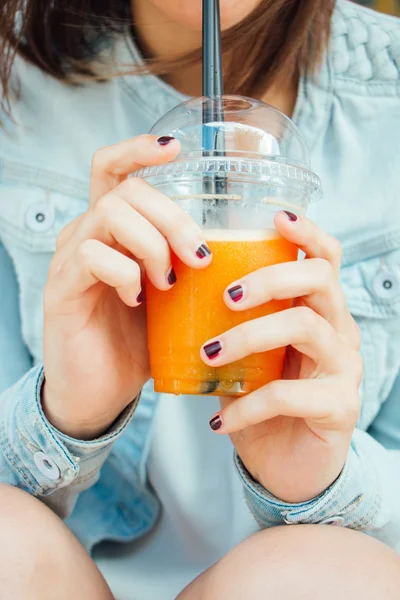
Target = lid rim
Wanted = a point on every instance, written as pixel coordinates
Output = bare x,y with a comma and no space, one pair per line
257,167
245,155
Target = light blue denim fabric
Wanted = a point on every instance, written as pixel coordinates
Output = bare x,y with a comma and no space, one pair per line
350,118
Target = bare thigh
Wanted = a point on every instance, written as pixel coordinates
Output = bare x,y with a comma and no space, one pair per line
303,562
40,559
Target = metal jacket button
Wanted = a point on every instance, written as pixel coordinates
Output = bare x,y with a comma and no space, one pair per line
386,284
46,466
40,217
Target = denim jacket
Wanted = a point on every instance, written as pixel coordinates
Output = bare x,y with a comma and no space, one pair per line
350,117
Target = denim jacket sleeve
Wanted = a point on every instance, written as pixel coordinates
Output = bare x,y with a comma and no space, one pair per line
364,497
362,109
34,455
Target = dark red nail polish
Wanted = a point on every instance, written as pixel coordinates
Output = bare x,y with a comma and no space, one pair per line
213,349
140,297
203,251
165,140
171,277
236,293
291,216
216,423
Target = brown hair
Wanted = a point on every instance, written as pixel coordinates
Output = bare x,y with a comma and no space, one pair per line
64,37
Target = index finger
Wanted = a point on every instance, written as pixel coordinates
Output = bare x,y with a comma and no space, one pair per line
112,164
310,238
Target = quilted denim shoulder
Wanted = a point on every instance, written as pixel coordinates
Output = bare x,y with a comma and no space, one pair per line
365,44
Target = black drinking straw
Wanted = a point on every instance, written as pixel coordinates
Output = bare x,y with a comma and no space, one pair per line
219,79
212,55
212,83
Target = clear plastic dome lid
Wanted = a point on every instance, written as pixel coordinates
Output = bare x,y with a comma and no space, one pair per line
233,126
237,137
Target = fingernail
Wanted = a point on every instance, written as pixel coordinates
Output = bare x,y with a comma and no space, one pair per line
213,349
203,251
165,140
236,293
140,297
291,216
171,277
216,423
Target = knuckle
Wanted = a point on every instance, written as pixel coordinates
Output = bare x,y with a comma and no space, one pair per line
182,223
246,413
99,158
335,250
135,271
325,272
133,185
248,336
158,257
105,207
307,319
275,393
85,252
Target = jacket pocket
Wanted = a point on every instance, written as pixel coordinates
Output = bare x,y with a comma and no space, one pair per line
30,220
372,289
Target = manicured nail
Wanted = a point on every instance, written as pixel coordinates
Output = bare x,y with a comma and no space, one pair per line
171,277
203,251
236,293
165,140
216,423
212,350
291,216
140,297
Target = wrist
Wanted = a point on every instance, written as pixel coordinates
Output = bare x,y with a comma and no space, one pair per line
83,428
296,485
303,492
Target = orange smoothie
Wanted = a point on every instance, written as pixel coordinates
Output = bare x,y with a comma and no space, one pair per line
182,319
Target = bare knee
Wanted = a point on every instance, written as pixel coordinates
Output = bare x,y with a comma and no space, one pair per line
22,520
38,554
30,535
300,562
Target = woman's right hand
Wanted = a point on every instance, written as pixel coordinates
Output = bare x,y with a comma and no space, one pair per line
95,344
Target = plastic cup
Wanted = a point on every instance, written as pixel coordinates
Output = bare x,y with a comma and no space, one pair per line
231,176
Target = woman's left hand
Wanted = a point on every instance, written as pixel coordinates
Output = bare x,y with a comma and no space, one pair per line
293,435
